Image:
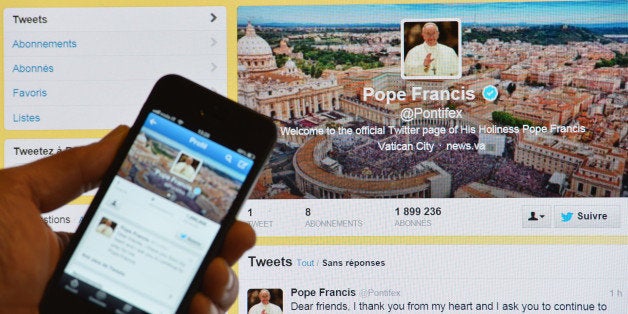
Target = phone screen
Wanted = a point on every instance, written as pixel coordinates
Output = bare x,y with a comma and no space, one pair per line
157,220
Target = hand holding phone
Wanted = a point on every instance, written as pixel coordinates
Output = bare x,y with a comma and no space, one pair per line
164,208
29,249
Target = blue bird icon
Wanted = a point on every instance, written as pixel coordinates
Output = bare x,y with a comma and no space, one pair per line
566,217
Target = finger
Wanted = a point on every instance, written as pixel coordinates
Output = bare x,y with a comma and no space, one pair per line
239,239
201,304
54,181
220,284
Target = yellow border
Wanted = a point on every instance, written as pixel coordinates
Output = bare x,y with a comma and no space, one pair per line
231,18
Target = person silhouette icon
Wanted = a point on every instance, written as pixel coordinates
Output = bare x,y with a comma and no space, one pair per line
533,217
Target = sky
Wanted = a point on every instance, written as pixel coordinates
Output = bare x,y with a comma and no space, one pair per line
562,12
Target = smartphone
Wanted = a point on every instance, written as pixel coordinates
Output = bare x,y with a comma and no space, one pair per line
164,207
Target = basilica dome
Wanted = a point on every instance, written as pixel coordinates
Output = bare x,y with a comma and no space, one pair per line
254,52
251,44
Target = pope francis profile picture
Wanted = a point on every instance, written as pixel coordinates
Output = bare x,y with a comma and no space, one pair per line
186,167
264,306
430,55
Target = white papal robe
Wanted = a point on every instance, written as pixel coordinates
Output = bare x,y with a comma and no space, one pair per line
445,63
268,309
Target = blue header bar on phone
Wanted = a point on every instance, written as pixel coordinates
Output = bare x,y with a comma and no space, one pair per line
215,155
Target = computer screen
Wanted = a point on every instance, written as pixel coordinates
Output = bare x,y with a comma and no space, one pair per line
453,157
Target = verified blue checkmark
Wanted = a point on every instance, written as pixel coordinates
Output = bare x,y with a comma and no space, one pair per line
490,93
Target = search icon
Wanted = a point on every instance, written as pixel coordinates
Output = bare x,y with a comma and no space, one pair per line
228,158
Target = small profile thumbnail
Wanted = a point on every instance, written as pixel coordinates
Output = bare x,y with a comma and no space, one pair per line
431,49
265,301
106,227
185,166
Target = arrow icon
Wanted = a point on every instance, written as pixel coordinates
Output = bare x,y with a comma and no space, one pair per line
214,17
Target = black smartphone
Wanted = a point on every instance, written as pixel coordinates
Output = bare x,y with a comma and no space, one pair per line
165,205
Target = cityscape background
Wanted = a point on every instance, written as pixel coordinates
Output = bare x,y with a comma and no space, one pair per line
560,64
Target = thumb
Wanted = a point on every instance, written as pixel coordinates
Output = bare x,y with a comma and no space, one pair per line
54,181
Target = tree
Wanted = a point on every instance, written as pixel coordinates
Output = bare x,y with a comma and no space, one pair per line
281,60
505,118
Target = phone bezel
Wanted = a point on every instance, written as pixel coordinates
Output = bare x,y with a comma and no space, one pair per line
200,108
